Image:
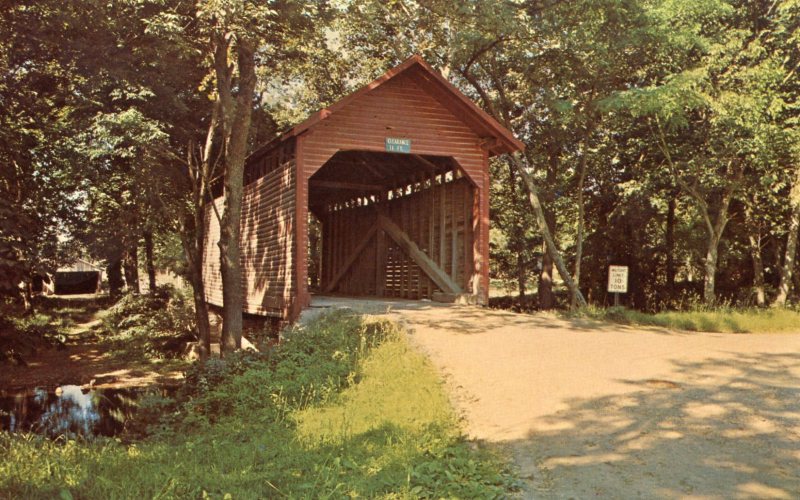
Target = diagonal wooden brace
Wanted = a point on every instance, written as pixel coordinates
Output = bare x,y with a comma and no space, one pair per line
429,267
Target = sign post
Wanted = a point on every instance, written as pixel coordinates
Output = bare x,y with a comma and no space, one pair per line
617,281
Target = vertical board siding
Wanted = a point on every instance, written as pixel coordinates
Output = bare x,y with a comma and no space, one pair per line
267,244
443,233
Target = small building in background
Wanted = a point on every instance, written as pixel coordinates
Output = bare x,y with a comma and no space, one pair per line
80,276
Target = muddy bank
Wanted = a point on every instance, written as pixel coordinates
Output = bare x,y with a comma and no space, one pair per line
84,364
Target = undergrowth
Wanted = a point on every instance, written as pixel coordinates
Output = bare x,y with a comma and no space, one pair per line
719,319
21,338
343,408
151,326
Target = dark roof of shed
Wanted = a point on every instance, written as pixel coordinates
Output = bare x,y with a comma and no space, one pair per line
441,89
79,265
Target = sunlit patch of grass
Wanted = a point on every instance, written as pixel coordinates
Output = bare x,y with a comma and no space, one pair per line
723,320
399,389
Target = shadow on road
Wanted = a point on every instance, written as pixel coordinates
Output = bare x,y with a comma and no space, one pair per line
728,429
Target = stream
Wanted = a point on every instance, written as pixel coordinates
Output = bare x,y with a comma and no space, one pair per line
72,411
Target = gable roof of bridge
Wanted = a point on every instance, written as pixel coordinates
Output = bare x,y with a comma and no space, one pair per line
498,139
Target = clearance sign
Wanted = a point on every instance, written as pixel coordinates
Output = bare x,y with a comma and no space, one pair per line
398,145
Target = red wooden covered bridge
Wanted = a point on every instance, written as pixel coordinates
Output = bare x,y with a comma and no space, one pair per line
396,178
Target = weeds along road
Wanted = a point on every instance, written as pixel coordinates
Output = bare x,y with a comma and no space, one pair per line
592,409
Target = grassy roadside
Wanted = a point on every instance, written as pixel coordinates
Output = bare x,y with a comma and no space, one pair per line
344,408
723,320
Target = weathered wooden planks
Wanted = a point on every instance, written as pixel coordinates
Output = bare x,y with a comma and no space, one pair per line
431,214
268,241
434,272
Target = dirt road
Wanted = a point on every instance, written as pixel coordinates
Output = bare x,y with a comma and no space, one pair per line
591,410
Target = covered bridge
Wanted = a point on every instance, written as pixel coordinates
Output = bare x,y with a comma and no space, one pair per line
394,177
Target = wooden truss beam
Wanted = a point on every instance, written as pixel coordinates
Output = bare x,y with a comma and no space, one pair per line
431,167
429,267
352,258
352,186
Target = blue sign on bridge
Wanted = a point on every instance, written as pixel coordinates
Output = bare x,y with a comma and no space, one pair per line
397,145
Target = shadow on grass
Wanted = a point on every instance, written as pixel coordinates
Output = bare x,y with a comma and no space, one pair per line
729,429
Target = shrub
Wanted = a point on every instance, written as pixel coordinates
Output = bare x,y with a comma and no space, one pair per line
155,325
23,337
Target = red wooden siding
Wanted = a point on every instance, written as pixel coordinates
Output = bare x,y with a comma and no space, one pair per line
402,108
399,108
268,226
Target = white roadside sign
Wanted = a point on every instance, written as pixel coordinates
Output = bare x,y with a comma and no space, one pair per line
618,279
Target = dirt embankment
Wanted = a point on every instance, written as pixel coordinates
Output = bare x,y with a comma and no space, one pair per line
85,358
86,364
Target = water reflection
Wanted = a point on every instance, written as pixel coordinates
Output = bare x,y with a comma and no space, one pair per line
71,411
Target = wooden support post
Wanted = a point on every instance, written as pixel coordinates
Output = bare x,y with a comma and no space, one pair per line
442,221
329,249
413,276
402,271
467,211
411,249
431,227
420,236
453,234
340,241
323,278
476,243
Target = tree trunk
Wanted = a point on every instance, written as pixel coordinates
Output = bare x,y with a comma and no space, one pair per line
758,268
130,264
27,297
519,250
230,261
715,231
114,273
579,239
194,254
547,299
787,269
545,230
670,247
236,115
709,283
201,321
148,256
545,290
754,237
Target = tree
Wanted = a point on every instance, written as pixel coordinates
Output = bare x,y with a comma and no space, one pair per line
38,127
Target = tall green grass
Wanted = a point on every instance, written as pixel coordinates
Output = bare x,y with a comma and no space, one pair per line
723,320
345,408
